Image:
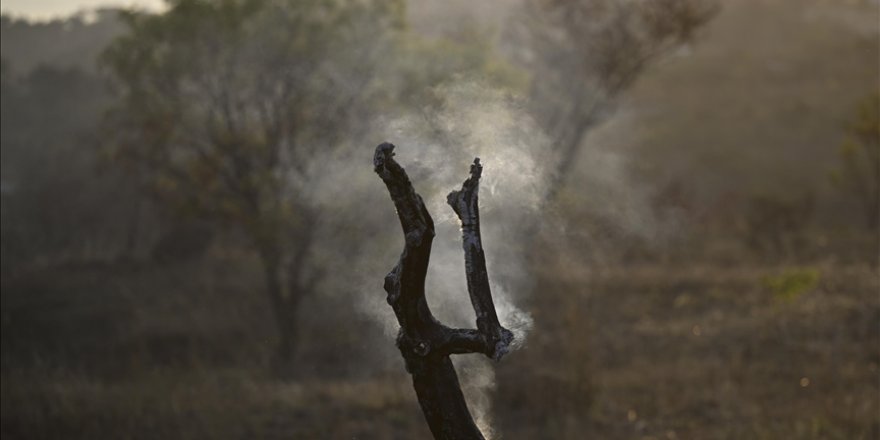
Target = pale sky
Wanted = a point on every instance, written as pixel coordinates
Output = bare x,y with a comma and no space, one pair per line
46,9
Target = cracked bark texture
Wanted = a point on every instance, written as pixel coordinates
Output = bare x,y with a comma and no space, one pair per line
424,342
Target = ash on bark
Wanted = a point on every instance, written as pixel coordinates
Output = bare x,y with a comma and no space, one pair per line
424,342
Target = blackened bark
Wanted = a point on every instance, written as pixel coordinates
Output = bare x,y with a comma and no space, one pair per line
464,203
424,342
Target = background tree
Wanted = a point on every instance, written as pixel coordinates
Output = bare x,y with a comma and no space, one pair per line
584,53
225,103
859,171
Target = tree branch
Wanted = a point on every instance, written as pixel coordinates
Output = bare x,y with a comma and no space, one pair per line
425,343
465,204
405,283
464,341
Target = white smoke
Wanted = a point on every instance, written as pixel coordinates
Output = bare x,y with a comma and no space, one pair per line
436,146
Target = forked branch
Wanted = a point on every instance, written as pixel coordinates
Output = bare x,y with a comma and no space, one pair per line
424,342
465,204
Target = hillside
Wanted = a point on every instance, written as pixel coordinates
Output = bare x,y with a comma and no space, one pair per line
74,42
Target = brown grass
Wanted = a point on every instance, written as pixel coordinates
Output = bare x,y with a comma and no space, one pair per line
686,349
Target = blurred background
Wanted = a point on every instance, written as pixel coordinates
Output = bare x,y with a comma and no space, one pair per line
679,206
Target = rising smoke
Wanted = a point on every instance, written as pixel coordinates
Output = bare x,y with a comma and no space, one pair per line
436,146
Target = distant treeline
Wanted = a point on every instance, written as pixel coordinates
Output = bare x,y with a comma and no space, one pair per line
68,194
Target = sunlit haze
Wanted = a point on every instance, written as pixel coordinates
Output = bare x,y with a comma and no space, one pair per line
48,9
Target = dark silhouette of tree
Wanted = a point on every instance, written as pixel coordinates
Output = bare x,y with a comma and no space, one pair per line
224,104
57,202
425,343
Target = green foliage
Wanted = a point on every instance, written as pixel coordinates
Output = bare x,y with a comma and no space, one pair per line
859,153
789,285
423,63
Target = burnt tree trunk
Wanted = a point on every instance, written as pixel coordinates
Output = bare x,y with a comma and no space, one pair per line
425,343
283,308
286,286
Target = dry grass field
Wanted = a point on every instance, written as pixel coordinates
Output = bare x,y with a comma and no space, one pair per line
665,349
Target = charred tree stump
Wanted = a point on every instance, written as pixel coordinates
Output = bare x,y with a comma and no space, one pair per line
424,342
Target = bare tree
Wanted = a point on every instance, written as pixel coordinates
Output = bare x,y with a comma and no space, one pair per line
424,342
584,53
